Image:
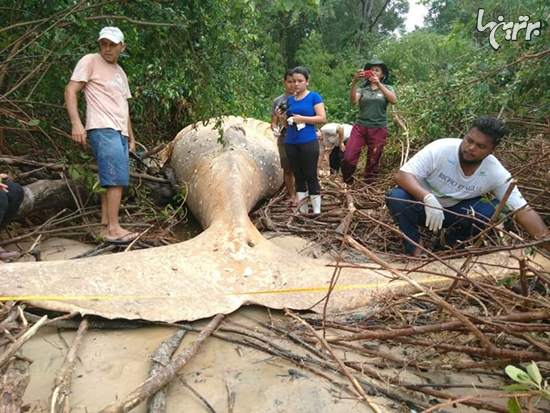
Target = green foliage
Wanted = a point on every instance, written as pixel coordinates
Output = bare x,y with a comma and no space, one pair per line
181,196
444,81
173,213
85,177
509,281
529,251
186,62
170,214
443,15
529,381
189,61
98,189
348,29
514,406
329,77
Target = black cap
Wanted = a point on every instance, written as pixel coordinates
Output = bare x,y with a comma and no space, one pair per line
376,62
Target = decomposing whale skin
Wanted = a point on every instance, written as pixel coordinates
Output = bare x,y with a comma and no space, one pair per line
228,265
226,180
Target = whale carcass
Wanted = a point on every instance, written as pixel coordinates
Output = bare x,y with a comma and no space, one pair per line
228,265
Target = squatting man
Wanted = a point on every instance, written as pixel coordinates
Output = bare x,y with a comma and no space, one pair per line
451,177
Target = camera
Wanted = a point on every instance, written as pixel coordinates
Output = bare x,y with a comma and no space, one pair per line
368,74
283,106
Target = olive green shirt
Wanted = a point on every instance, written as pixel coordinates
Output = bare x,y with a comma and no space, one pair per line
372,108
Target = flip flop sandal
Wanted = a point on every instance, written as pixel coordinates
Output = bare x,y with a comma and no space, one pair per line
8,256
122,240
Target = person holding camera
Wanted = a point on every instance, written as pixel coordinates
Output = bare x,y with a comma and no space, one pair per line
279,132
371,126
11,196
306,109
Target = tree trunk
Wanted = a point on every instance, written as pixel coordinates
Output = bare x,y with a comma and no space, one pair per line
46,194
372,22
367,13
55,194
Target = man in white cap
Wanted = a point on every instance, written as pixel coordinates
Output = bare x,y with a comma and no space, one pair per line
108,127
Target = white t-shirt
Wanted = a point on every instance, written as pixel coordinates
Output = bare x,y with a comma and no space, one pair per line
438,170
330,135
106,92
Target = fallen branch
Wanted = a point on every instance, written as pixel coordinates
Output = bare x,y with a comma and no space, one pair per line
161,358
448,326
6,356
442,303
196,393
8,160
62,383
340,363
13,383
155,383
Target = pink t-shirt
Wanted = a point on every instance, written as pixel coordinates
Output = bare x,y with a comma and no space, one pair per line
107,93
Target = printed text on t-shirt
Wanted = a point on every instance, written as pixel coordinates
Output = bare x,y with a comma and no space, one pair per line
452,182
119,83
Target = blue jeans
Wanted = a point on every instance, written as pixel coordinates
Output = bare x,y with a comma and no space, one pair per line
410,215
110,149
10,202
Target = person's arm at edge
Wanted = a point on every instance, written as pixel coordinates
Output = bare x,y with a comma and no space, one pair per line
532,222
354,97
3,186
282,117
131,138
410,184
78,133
341,138
274,122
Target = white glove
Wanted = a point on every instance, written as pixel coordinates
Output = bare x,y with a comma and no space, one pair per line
299,126
276,132
434,217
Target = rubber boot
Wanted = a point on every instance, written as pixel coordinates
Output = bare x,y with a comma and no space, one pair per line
304,209
316,203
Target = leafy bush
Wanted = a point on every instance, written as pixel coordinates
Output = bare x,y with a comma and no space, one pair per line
529,381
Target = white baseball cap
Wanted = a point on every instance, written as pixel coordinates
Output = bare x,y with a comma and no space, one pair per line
112,33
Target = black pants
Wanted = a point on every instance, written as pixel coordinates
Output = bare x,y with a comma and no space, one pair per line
10,202
335,160
303,159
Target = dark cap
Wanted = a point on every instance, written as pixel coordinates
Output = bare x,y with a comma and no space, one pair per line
376,62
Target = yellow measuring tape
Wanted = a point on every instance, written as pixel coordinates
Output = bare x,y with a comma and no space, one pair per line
168,296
